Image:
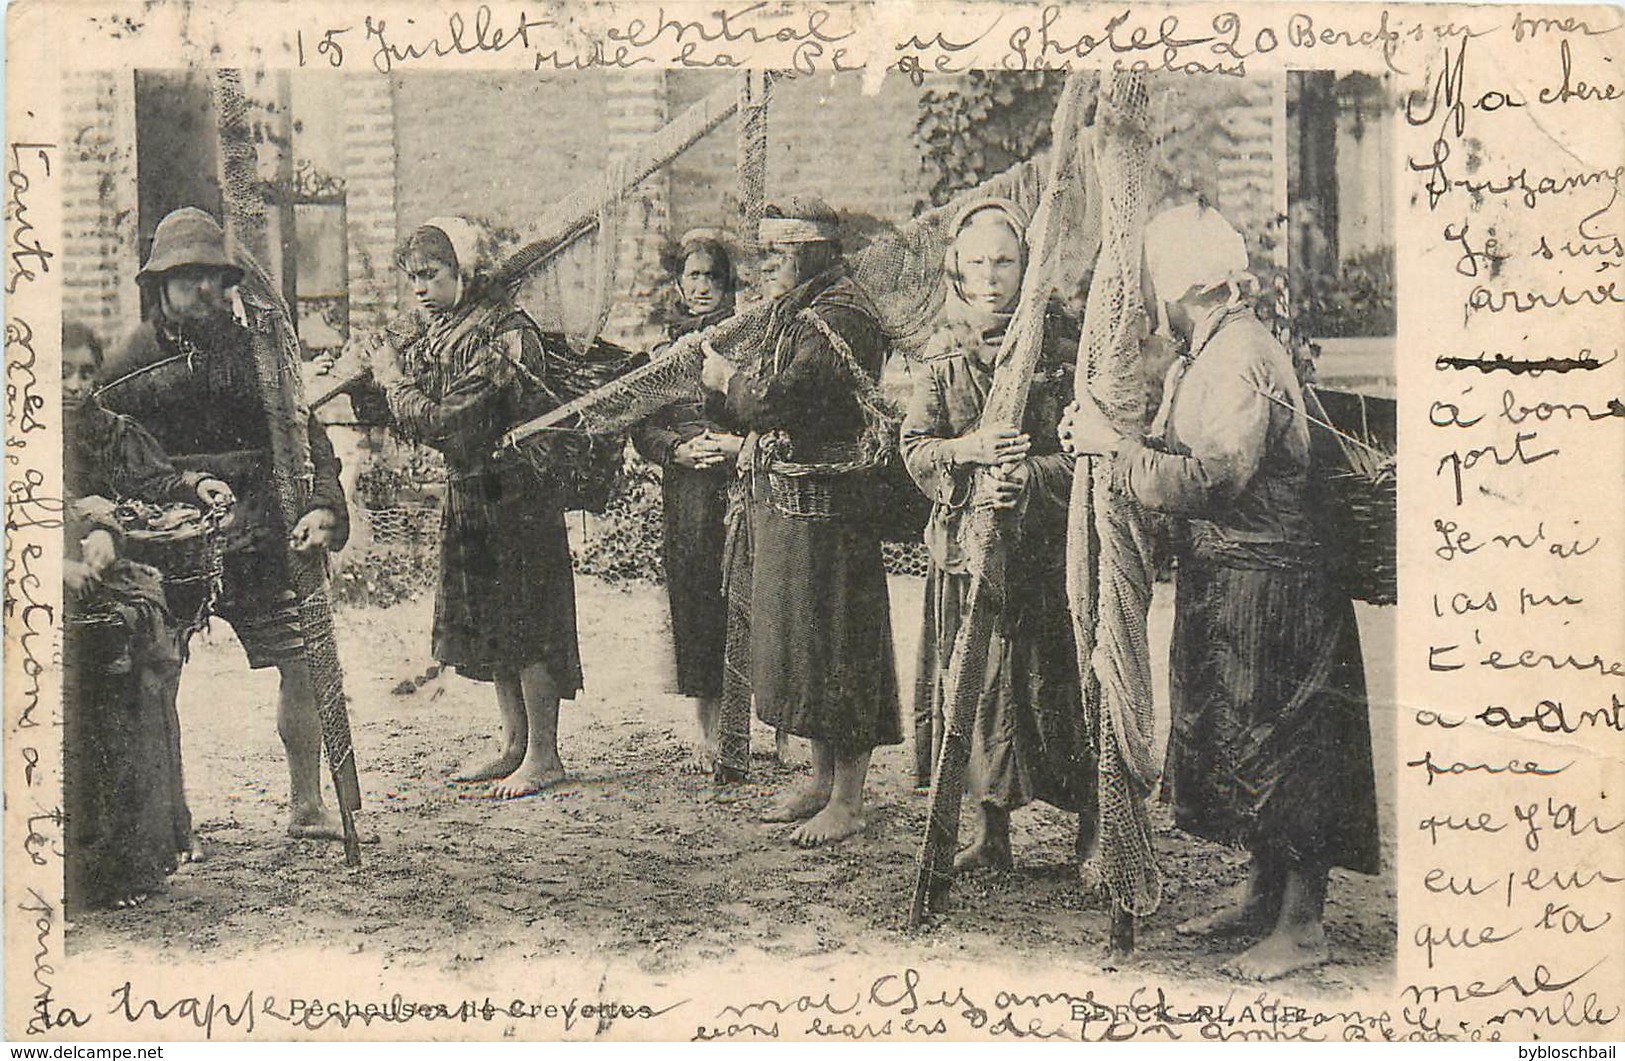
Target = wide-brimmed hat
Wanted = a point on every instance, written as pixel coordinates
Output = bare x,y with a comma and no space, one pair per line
188,237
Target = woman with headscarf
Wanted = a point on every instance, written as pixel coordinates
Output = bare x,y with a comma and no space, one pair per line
505,612
695,444
127,822
1270,747
1030,741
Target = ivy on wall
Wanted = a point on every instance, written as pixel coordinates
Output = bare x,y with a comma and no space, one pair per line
980,125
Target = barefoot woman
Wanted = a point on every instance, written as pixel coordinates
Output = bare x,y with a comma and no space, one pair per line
506,608
1271,744
821,650
695,443
1030,741
127,822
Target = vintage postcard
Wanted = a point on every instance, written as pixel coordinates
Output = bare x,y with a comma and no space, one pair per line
819,521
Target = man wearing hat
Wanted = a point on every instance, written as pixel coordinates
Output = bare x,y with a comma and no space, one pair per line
821,648
187,374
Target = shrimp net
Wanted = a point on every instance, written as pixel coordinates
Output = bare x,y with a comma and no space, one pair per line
1109,549
276,363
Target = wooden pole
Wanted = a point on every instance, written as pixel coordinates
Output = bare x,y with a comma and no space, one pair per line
276,364
1006,406
568,220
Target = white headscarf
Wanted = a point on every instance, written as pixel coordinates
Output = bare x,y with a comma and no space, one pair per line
470,243
1193,248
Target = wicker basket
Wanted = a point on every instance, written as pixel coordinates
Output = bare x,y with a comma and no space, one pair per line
94,619
187,553
819,491
1367,555
1357,490
803,495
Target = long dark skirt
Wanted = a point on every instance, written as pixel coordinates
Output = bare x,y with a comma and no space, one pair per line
1031,741
123,793
695,503
507,591
1270,747
821,647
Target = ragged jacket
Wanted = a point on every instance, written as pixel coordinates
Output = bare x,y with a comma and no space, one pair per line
1229,449
800,384
113,458
200,398
949,395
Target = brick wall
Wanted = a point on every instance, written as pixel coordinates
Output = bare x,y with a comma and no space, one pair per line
501,146
635,107
370,208
824,137
99,201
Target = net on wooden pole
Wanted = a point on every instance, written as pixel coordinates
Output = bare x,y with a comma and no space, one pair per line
1109,550
1063,233
276,364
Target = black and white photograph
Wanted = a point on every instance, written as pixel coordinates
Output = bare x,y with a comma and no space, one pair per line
675,522
627,567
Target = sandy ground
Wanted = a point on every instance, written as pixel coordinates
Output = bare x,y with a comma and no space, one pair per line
635,858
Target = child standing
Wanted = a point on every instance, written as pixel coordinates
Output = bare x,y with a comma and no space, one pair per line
505,612
127,820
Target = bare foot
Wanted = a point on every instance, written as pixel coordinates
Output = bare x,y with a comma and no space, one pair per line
1281,953
1227,923
798,805
195,851
130,902
501,766
831,825
705,757
728,775
1091,878
986,852
1243,914
318,824
522,783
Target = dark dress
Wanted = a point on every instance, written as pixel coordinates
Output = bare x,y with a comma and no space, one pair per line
507,592
1031,740
1270,745
694,507
821,647
122,790
196,390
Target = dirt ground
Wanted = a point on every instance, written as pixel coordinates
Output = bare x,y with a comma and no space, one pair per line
635,858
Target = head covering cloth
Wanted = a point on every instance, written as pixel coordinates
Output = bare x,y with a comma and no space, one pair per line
1191,248
798,219
676,314
471,246
989,324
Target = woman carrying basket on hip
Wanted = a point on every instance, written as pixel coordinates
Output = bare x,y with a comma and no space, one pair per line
128,825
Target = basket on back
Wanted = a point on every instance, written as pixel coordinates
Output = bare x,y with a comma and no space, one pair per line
1354,489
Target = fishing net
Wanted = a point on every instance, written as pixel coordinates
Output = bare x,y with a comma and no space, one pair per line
1062,235
277,359
901,272
572,292
1110,564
